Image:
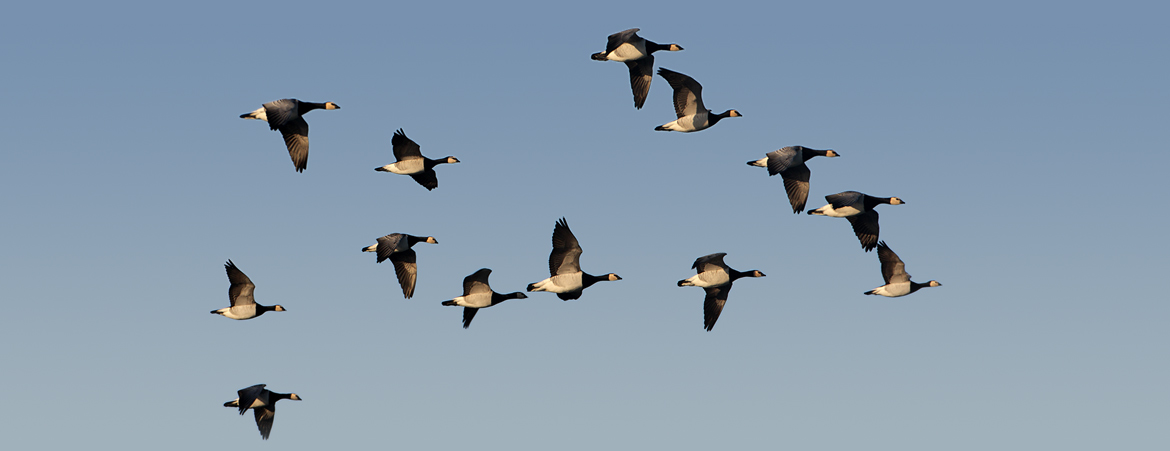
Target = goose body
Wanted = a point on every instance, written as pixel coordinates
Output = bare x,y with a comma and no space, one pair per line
567,279
637,52
410,161
286,115
478,294
898,282
789,162
858,208
263,404
688,105
397,248
716,278
243,305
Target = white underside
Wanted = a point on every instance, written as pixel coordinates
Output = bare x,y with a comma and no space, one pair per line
260,113
893,290
239,311
560,283
688,124
478,300
405,167
708,279
627,52
842,212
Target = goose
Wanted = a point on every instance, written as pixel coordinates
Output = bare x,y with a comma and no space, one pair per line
263,404
789,163
564,265
715,277
858,209
286,115
627,47
898,283
244,306
478,294
397,248
688,105
410,161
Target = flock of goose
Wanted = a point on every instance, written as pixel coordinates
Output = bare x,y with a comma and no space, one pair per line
566,278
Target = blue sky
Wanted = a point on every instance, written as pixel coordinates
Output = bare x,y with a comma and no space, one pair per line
1028,140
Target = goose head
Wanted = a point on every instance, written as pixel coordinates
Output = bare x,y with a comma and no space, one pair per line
432,240
831,153
278,308
896,201
331,106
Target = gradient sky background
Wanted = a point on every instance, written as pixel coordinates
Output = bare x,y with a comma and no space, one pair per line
1029,140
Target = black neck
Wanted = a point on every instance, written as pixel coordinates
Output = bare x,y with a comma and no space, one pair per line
915,286
736,274
590,279
498,298
652,46
809,153
871,201
305,107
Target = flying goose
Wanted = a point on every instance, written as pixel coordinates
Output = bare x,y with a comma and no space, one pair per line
397,248
789,163
637,53
715,277
858,209
287,116
410,161
263,404
898,283
688,105
478,294
244,306
564,264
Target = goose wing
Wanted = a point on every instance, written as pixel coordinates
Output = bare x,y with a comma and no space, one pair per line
404,147
249,395
845,199
477,282
296,138
865,226
264,417
641,74
795,184
713,262
240,292
566,253
387,245
893,270
713,304
468,315
407,270
427,178
619,38
780,160
280,112
688,93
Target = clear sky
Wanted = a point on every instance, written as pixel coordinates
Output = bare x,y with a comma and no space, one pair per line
1029,140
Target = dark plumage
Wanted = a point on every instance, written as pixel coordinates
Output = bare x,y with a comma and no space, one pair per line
263,404
637,53
567,279
478,294
286,115
716,278
858,209
397,247
410,161
789,162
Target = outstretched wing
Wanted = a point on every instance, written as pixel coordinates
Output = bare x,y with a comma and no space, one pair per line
404,147
477,282
296,138
688,93
264,417
713,304
565,257
893,270
619,38
796,185
240,292
387,245
406,268
249,395
641,74
713,262
865,226
468,315
427,178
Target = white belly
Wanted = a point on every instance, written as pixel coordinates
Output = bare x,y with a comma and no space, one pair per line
560,283
842,212
241,312
893,290
709,279
627,52
477,300
406,167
